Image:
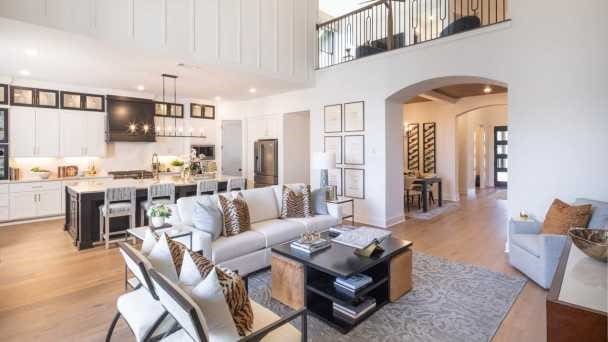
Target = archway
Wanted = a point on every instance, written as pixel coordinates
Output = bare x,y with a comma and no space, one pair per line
395,133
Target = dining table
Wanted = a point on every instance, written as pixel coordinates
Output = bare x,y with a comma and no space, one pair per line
426,183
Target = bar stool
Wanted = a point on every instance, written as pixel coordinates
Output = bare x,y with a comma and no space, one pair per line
162,193
206,187
118,202
236,184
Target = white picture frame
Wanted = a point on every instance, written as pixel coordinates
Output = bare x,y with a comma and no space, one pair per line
354,149
332,118
333,144
354,183
335,179
354,116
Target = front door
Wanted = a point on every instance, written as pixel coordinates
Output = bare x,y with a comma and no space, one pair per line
501,154
232,144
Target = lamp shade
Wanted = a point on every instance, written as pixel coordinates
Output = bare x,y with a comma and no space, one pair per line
324,160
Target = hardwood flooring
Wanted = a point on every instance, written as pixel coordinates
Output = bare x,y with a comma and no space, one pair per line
51,292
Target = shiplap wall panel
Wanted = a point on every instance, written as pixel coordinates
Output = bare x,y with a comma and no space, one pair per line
300,23
207,29
250,32
230,11
179,25
113,19
32,11
268,35
77,17
148,23
285,38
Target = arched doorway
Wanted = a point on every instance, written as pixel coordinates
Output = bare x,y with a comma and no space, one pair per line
395,130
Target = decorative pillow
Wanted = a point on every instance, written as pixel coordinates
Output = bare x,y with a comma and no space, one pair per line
296,204
234,289
209,296
207,217
236,215
319,203
150,239
162,260
562,216
176,248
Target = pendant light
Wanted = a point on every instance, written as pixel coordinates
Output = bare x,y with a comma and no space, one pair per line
169,107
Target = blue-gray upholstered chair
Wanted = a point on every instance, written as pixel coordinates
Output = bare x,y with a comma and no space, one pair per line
537,255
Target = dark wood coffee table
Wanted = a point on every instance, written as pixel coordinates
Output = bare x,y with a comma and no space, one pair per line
300,280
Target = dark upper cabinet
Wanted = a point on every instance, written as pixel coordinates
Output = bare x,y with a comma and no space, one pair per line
130,119
3,94
80,101
167,109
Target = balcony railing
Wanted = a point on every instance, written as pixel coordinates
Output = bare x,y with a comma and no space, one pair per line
391,24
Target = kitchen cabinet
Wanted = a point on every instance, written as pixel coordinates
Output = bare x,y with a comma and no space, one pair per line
35,199
34,132
82,134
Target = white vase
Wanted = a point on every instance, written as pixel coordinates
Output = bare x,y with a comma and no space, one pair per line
157,221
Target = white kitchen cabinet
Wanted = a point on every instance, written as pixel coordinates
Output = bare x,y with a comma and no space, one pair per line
35,199
82,134
23,205
34,132
49,203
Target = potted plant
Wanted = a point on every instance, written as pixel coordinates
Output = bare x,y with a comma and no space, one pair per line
177,165
40,172
158,214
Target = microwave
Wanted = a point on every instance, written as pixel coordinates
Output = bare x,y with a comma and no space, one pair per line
205,152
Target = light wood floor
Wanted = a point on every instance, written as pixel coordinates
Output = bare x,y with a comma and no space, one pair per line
51,292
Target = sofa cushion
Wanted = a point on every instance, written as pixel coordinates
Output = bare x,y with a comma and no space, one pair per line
226,248
278,192
278,231
599,215
185,206
562,216
296,203
528,242
207,217
262,204
316,223
236,215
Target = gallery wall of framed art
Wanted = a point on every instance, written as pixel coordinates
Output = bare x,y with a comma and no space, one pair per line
344,135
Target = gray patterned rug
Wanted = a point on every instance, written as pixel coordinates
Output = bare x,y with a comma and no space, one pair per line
449,302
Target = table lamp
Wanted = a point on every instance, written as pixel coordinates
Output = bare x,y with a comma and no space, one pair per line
324,161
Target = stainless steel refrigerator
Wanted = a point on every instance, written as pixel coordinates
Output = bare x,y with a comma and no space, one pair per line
266,162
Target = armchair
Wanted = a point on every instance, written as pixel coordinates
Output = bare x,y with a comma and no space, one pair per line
534,254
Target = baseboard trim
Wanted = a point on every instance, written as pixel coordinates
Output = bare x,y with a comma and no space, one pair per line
41,219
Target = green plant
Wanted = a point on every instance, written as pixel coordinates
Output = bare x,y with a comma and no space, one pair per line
177,163
160,211
38,169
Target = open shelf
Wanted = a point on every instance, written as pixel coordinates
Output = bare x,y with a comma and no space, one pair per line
327,290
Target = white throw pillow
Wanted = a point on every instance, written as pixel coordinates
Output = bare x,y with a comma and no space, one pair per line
189,274
149,242
210,298
161,260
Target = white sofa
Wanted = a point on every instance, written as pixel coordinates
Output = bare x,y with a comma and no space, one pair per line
251,250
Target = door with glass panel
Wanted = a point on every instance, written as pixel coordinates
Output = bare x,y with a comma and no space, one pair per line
501,156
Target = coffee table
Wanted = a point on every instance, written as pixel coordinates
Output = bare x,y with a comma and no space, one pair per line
302,280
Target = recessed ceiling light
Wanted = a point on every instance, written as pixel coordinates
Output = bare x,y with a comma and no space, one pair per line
252,90
218,98
141,87
487,89
31,52
24,72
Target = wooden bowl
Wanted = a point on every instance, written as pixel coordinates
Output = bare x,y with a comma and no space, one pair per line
593,242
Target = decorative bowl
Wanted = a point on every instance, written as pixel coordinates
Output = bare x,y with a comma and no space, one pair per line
41,174
593,242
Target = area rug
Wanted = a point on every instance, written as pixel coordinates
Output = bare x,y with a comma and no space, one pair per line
446,207
449,302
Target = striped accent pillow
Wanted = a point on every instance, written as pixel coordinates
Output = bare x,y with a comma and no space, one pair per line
236,215
296,204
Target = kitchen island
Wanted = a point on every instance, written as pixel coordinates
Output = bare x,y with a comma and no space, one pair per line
82,201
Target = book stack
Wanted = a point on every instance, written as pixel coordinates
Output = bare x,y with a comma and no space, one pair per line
309,247
352,313
352,284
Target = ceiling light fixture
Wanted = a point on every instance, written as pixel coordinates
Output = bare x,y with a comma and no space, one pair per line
141,87
252,90
487,89
24,72
218,98
31,52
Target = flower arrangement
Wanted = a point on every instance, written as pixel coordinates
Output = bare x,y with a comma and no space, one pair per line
158,214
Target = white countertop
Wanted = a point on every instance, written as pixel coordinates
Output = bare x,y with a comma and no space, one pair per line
56,179
101,185
585,281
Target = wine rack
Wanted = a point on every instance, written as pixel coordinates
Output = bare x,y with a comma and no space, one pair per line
429,147
413,147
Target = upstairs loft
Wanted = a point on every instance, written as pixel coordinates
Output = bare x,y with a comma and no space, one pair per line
385,25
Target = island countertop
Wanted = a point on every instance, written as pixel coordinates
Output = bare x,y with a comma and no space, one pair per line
100,185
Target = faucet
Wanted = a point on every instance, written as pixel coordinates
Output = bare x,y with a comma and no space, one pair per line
155,166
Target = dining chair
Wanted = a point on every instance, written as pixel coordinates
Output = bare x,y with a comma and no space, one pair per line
411,192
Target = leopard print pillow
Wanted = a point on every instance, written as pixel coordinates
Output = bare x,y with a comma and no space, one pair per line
236,215
296,204
234,290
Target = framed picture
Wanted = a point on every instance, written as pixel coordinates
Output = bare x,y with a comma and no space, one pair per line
354,149
354,183
94,103
21,96
209,112
71,100
334,144
335,179
47,98
354,117
332,118
3,94
196,111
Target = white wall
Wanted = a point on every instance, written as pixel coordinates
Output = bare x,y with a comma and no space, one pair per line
296,150
488,110
272,37
558,109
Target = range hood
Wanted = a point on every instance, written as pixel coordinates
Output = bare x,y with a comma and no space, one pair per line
130,119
